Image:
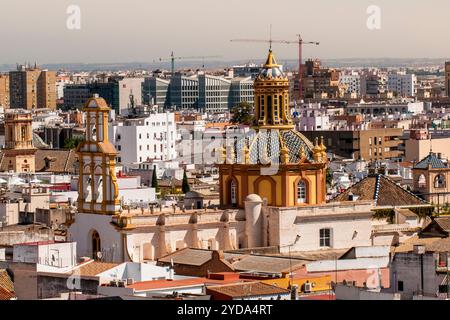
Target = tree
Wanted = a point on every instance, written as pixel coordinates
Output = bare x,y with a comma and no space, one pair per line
155,180
72,143
242,113
185,186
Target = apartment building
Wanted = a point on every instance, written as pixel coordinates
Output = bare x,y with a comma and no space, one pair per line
402,84
319,82
370,145
145,138
32,88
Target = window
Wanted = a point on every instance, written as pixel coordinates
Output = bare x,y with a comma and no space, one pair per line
301,192
422,181
400,285
233,192
325,237
439,181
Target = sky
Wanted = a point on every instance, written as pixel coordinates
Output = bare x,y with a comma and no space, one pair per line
145,30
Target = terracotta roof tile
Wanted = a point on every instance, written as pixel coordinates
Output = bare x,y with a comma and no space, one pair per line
249,289
94,268
6,295
444,223
382,190
5,281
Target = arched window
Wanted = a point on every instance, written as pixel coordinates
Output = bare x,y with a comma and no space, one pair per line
301,192
439,181
422,181
96,245
233,192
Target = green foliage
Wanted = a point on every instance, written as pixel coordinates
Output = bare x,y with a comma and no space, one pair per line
329,177
185,186
389,213
155,180
242,114
72,143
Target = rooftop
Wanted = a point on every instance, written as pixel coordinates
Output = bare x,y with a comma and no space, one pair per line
249,289
431,160
382,190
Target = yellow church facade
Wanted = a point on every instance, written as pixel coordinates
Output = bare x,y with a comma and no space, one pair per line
273,161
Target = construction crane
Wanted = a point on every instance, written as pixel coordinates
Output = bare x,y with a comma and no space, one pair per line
300,42
172,59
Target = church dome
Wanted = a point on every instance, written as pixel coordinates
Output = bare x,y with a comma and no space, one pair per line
266,146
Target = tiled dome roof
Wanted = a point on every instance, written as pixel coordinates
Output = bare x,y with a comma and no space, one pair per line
271,69
266,145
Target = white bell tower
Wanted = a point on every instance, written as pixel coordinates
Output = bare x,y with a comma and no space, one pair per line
98,191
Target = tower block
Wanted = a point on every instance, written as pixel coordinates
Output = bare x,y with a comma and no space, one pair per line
98,188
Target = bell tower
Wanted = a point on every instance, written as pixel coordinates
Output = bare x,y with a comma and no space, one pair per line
272,97
19,152
98,192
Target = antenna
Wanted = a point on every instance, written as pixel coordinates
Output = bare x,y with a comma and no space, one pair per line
270,38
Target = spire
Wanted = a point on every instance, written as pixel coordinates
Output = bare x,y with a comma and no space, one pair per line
271,61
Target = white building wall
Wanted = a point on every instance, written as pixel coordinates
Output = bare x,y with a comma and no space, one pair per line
154,138
111,240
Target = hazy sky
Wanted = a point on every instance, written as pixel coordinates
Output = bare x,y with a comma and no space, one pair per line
143,30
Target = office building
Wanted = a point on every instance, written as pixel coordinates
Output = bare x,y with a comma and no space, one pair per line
241,90
183,92
118,93
155,91
213,93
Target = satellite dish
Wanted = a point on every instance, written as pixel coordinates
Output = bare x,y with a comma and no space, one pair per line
99,254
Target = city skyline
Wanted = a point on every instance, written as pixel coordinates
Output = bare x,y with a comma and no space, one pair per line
111,32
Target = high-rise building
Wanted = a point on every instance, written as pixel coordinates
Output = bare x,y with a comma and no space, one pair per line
4,91
447,78
32,88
